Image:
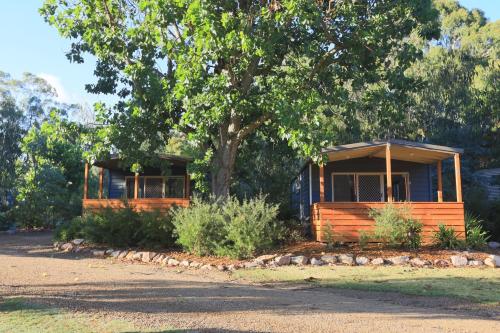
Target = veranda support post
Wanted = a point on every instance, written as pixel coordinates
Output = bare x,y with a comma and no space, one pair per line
440,181
321,183
388,172
458,177
86,181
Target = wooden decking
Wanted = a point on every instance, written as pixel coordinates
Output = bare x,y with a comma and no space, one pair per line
149,204
349,218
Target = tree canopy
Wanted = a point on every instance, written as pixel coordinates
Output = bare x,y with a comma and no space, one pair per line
219,70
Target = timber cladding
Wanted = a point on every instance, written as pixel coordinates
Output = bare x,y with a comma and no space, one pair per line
143,204
347,219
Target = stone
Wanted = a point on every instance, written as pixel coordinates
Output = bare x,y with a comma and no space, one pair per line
399,260
329,259
490,262
108,252
148,256
195,264
282,260
417,262
207,267
159,258
265,258
347,259
130,255
98,253
232,267
441,263
493,245
115,254
164,261
137,256
459,261
221,268
67,247
299,260
57,245
378,261
173,262
251,264
361,261
184,263
475,263
78,241
123,254
316,262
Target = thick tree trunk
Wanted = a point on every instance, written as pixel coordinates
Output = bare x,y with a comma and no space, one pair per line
223,167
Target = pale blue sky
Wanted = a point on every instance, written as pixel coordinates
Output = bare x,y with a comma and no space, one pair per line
28,44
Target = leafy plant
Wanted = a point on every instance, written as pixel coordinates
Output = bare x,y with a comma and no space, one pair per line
476,236
121,228
328,235
364,238
229,227
446,238
395,226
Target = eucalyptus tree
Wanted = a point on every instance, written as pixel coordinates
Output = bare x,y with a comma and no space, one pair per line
220,70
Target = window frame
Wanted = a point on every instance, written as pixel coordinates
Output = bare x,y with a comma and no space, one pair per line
164,181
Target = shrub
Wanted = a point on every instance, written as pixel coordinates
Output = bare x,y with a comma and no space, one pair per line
395,226
328,235
120,228
446,238
476,236
229,227
364,238
199,227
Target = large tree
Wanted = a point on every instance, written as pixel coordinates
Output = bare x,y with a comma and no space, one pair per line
220,70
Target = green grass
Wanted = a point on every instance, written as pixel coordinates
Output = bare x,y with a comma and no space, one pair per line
473,284
16,315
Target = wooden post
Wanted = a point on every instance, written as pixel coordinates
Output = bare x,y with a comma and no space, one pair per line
321,183
136,185
388,172
101,177
458,177
187,186
86,181
440,181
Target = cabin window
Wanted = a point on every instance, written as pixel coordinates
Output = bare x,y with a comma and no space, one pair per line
369,187
156,187
344,187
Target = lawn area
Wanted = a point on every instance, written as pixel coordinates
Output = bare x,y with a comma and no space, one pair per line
16,315
473,284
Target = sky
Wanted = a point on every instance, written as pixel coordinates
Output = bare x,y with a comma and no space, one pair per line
28,44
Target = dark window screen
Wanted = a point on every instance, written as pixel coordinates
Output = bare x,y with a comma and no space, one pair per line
343,188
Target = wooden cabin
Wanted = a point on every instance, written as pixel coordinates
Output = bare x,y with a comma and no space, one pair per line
155,188
362,176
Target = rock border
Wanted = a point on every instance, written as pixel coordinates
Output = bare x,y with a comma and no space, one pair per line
462,259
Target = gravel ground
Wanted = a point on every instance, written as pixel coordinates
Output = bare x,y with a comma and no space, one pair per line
201,301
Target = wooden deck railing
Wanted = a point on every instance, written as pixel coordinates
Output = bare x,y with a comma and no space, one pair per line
347,219
146,204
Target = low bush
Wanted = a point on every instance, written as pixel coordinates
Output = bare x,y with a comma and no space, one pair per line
120,228
395,226
364,238
239,229
446,238
476,237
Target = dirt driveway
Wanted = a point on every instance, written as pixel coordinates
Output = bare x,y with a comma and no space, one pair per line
201,301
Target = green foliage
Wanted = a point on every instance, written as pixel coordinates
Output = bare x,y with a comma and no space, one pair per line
232,67
446,238
328,235
120,228
239,229
364,238
395,226
476,237
49,185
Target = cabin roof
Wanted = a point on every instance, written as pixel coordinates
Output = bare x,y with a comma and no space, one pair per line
400,150
114,162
